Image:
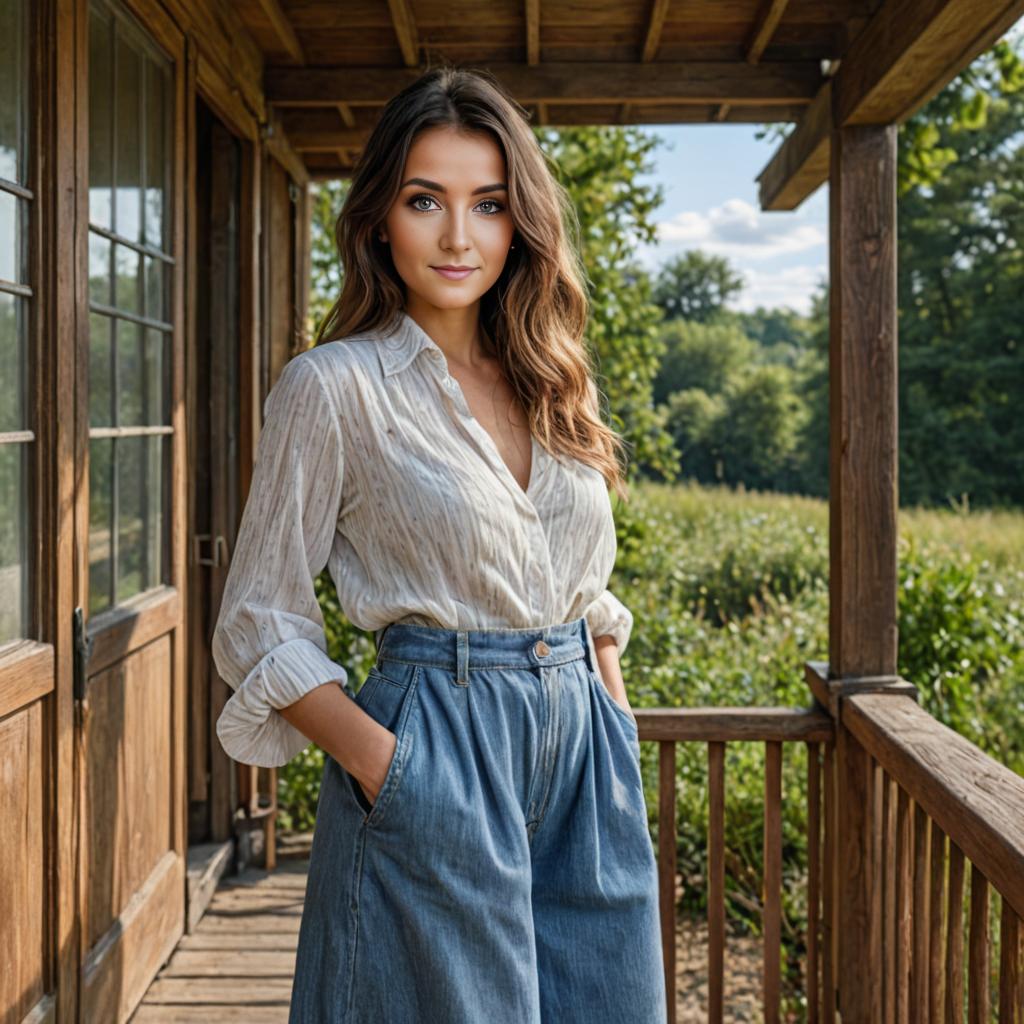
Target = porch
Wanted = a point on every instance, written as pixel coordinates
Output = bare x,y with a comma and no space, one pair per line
157,165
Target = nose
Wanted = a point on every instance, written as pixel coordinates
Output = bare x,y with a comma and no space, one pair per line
456,237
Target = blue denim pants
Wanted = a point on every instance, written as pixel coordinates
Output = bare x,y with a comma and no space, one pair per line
505,873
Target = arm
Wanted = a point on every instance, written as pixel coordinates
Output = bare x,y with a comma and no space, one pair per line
269,644
610,623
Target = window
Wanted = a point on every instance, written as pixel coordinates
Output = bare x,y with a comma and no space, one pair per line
16,298
131,102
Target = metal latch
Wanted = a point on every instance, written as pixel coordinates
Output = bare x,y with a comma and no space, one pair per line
220,545
83,648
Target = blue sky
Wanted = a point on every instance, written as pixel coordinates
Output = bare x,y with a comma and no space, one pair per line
708,173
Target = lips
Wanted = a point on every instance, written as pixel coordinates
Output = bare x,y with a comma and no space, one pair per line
454,273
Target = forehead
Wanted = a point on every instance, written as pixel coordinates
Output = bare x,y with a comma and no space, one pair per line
450,157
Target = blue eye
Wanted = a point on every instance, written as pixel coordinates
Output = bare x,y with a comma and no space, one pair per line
423,195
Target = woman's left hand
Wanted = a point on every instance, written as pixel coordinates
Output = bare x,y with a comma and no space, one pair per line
610,671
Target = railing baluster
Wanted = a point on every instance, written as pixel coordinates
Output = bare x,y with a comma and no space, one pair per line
771,886
668,866
955,937
813,877
937,910
888,878
978,950
904,852
830,906
1011,985
921,918
716,879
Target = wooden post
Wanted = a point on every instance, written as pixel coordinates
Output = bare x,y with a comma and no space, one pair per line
862,514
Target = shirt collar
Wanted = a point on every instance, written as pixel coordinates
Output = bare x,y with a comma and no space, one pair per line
398,349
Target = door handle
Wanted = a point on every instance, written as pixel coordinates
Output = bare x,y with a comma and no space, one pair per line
220,546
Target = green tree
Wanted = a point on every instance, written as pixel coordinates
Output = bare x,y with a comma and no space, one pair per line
699,355
600,168
694,286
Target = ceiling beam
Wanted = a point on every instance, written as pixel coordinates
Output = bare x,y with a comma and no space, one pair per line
800,164
532,32
904,56
569,82
655,24
283,29
404,24
764,28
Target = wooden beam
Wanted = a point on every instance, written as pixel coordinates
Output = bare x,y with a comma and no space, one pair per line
532,14
283,29
902,58
655,24
862,402
584,82
800,164
404,24
764,28
909,51
313,131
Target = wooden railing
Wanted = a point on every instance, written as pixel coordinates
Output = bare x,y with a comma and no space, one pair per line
887,786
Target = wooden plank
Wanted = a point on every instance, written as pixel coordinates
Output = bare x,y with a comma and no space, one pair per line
667,867
734,723
909,51
236,963
976,801
172,1014
771,885
583,82
250,992
801,163
903,57
862,403
716,881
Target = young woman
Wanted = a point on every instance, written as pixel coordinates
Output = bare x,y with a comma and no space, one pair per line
481,853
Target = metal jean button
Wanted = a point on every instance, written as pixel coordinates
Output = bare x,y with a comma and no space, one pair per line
540,648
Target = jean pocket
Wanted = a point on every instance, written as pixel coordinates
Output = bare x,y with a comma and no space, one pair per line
630,721
390,703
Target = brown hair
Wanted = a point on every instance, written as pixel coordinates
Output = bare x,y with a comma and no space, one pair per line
536,312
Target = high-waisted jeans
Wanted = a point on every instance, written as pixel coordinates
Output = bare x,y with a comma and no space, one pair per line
505,873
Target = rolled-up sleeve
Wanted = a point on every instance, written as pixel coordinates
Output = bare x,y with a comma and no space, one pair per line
269,644
608,616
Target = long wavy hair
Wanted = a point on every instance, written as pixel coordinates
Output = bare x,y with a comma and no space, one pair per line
536,312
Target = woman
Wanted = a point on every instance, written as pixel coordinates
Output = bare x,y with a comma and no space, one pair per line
481,853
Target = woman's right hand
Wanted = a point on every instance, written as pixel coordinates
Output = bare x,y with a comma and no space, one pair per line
370,782
340,727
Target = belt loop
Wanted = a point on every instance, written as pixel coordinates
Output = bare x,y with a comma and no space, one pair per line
378,636
462,657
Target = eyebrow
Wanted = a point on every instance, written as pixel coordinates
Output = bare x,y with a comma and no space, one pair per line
424,183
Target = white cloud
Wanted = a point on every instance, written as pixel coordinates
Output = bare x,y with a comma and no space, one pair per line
787,286
739,231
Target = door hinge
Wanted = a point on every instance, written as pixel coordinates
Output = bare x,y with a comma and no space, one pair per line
83,648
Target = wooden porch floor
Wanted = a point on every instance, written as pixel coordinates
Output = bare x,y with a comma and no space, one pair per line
238,964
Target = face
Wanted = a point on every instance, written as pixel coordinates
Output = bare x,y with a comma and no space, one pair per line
452,211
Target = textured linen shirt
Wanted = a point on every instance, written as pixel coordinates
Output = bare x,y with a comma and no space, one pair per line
371,462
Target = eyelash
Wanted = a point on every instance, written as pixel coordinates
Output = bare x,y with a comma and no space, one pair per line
423,195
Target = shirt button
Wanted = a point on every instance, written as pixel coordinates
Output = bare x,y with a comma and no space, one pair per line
541,649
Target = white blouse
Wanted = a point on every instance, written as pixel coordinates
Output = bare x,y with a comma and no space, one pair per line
370,462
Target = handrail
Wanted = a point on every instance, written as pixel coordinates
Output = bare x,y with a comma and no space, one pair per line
976,801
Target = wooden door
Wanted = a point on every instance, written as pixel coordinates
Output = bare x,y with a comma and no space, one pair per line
214,426
129,504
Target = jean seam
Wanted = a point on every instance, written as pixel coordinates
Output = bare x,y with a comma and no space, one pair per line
546,662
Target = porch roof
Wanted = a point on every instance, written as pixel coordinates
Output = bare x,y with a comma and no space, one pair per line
327,67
